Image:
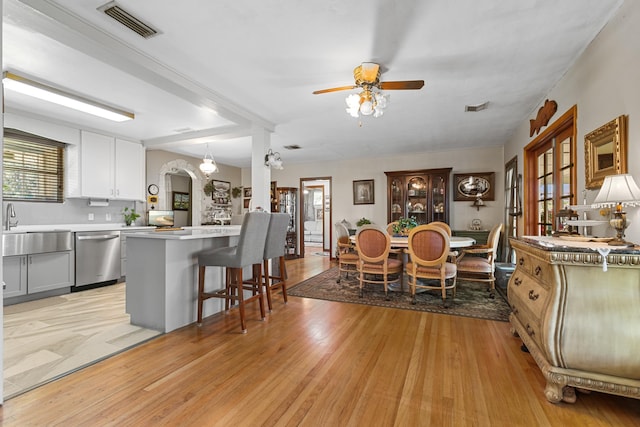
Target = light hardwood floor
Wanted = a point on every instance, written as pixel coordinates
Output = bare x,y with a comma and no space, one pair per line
318,363
46,338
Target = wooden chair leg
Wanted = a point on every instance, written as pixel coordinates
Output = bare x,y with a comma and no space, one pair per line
228,289
258,280
267,283
237,284
283,278
201,270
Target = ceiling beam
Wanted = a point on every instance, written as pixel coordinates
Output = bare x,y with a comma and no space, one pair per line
67,28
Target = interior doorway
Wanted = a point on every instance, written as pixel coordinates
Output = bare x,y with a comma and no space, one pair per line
315,216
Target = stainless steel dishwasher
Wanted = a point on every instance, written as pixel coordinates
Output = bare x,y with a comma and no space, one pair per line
97,257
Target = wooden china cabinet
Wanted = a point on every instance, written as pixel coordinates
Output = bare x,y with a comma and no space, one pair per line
422,194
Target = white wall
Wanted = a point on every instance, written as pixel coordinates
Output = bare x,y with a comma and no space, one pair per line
343,173
604,84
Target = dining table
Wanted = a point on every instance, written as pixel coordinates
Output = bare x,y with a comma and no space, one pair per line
402,242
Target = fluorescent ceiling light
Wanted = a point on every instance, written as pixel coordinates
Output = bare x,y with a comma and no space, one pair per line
47,93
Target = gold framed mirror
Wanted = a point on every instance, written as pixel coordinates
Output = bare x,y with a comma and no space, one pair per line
605,152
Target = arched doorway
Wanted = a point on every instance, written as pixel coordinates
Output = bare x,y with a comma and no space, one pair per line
175,167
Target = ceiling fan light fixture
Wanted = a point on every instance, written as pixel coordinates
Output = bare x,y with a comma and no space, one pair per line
367,103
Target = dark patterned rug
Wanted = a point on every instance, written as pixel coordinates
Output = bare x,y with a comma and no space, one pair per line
472,298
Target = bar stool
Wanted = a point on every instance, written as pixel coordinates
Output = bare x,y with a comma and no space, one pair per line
274,247
249,251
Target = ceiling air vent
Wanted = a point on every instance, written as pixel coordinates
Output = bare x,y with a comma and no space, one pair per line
479,107
292,147
128,20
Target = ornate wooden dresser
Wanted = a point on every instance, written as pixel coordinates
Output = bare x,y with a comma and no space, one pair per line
578,316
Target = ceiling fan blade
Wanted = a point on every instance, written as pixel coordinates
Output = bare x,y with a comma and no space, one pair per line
334,89
402,85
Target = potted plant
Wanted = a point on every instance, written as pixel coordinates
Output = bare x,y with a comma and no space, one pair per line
363,221
403,225
208,188
130,215
235,192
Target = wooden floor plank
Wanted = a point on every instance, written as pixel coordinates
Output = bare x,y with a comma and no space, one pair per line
312,363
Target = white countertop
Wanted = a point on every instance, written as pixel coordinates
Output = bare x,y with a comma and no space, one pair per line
75,227
190,233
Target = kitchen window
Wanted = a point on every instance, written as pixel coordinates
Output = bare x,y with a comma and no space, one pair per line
33,168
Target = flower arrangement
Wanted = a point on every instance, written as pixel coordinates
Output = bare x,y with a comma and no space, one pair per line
403,225
130,215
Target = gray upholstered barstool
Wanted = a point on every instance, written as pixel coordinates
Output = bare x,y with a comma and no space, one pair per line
249,251
274,247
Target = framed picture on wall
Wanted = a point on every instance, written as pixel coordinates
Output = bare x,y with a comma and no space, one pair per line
180,201
363,192
221,192
468,186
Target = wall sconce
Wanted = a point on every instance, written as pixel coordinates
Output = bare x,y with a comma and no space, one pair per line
273,160
478,203
50,94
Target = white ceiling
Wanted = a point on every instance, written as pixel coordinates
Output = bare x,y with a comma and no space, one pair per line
222,68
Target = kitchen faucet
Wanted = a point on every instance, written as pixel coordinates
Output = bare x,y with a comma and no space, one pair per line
11,213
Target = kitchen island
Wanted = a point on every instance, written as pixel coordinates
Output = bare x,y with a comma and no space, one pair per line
162,274
575,305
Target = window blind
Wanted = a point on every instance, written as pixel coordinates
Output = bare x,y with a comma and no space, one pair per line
33,167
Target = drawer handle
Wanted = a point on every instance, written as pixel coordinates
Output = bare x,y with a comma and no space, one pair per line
521,261
517,281
515,310
538,270
533,296
530,330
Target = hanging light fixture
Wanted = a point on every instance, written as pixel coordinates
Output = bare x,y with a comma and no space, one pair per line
369,102
273,160
208,165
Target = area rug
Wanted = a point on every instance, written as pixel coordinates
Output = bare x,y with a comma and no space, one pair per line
472,298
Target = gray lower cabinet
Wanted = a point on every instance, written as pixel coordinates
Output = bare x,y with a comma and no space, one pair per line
14,270
30,274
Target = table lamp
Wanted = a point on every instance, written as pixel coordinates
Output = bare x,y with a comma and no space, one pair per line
619,191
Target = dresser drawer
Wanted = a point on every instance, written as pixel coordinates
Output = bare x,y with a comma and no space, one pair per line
528,292
530,321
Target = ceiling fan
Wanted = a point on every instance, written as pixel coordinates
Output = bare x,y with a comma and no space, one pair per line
368,74
370,101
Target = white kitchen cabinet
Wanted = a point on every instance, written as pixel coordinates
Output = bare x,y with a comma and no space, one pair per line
30,274
14,270
97,165
105,167
129,170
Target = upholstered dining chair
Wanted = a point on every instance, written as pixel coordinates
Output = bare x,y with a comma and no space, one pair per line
428,252
274,249
453,255
477,263
248,252
398,252
345,252
373,244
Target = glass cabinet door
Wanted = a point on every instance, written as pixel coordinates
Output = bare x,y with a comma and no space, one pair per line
397,199
417,199
438,198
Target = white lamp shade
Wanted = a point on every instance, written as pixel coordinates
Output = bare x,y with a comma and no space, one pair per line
618,189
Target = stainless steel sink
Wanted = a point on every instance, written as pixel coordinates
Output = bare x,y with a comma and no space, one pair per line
34,243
